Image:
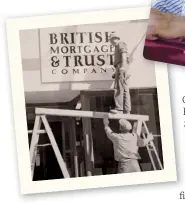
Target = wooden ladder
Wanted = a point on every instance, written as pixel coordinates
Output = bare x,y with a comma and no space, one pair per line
34,145
140,128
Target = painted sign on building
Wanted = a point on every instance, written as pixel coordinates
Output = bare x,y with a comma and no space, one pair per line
82,52
76,53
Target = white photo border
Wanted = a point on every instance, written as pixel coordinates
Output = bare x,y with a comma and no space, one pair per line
26,184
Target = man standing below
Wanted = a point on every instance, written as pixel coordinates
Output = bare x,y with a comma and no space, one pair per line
126,146
121,87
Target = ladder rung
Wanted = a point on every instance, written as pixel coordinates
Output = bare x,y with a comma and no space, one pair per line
157,135
43,145
38,131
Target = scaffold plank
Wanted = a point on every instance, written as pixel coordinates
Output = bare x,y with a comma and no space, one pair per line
89,114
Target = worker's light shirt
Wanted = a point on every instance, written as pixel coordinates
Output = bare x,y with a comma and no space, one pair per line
125,145
120,48
170,6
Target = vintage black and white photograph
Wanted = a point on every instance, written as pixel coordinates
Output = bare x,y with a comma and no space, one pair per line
92,104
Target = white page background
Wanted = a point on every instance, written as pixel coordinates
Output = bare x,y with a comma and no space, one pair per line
9,181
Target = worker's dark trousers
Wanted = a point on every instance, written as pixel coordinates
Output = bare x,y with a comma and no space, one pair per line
122,93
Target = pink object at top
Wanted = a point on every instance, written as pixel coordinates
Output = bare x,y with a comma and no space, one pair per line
168,51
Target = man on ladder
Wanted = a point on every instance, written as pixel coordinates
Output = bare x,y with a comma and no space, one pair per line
121,76
122,61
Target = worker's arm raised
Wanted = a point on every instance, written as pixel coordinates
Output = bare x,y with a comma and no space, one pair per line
110,134
124,57
143,142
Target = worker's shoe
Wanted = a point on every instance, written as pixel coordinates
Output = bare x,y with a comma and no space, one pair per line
115,111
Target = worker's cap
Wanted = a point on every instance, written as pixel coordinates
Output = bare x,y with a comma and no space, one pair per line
113,36
126,125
